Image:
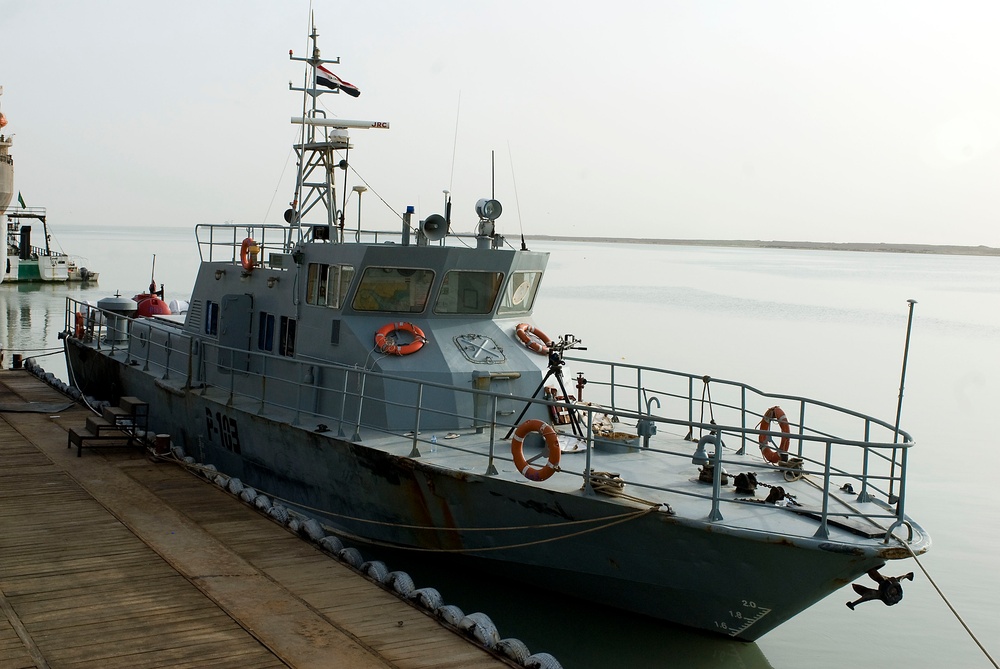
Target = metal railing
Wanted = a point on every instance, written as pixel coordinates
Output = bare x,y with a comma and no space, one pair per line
355,403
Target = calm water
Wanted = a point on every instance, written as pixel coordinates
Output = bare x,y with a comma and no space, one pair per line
829,325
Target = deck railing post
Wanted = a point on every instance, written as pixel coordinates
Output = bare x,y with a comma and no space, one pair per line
343,405
588,489
414,451
823,532
361,396
716,514
863,496
491,469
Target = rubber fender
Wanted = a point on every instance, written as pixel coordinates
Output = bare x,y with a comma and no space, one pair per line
375,570
235,486
542,661
513,649
481,628
312,529
248,495
332,545
262,503
449,613
279,513
429,598
351,556
221,480
401,583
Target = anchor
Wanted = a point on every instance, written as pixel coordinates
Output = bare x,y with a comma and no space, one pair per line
889,589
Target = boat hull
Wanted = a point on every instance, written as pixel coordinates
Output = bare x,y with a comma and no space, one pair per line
695,573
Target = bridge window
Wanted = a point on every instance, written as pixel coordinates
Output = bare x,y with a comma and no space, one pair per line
466,292
519,294
286,338
394,289
327,285
265,332
211,318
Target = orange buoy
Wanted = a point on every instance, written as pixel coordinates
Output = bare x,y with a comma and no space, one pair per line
769,453
248,254
551,442
534,339
390,347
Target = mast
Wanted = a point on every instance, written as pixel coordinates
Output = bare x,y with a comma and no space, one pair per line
320,140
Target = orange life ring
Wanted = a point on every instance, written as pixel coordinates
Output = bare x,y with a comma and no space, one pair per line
533,338
248,254
390,347
551,442
769,453
78,329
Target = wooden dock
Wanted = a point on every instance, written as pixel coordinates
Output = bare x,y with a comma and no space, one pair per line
113,560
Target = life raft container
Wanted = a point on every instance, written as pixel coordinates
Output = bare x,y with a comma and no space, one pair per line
534,339
774,414
248,254
390,347
551,443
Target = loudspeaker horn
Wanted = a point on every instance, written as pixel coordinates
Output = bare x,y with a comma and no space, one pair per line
435,227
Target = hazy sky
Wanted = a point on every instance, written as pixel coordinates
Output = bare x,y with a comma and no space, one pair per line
874,121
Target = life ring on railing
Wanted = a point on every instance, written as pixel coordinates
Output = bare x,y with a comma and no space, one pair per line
551,442
533,338
248,254
769,453
78,325
390,347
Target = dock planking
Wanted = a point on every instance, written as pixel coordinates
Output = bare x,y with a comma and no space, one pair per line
112,560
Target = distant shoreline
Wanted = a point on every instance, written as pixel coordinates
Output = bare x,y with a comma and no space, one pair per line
812,246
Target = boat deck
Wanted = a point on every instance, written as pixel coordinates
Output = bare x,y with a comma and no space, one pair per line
112,560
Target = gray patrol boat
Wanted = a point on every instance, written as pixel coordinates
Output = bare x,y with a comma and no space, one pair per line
392,384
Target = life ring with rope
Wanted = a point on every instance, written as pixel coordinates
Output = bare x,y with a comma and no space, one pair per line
248,254
551,442
78,325
769,452
390,347
534,339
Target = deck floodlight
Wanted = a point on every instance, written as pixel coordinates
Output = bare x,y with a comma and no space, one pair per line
488,209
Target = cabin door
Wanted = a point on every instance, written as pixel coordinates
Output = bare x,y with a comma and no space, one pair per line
235,323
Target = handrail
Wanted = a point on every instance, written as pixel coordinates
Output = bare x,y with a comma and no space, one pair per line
188,364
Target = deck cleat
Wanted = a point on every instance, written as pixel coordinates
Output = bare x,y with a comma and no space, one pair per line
889,590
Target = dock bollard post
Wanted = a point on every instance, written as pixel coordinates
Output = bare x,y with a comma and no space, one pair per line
162,444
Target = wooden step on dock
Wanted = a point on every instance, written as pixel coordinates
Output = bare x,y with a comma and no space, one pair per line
113,560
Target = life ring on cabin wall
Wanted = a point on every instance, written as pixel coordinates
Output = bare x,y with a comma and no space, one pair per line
248,253
551,442
390,347
534,339
78,325
774,414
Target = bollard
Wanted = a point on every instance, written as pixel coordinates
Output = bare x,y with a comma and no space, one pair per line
17,361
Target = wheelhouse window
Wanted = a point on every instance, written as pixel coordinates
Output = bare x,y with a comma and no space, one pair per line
393,289
519,294
265,332
286,337
327,285
468,292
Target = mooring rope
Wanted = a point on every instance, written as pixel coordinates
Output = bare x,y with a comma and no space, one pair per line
566,523
485,549
957,615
